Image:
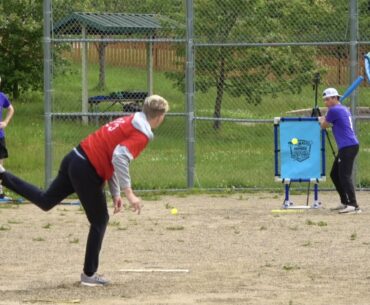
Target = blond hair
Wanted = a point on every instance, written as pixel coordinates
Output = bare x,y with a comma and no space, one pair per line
155,106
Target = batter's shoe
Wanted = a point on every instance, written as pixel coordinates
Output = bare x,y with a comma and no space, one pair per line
350,209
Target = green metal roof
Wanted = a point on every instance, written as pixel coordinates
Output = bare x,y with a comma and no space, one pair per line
109,23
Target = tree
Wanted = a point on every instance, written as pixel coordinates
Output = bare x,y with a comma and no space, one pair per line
254,72
364,19
21,57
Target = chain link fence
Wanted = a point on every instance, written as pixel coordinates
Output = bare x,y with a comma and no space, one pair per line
227,67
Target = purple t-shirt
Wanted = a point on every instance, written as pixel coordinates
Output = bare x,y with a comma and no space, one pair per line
4,103
341,119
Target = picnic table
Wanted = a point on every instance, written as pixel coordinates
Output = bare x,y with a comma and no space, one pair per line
131,101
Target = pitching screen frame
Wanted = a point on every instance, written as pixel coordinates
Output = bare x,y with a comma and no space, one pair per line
300,165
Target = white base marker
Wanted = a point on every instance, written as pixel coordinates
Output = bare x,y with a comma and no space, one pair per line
156,270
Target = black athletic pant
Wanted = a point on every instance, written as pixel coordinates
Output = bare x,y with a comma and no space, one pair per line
341,174
76,175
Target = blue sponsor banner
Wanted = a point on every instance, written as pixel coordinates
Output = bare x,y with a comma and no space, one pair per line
300,149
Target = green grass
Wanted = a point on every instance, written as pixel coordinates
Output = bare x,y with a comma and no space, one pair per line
38,239
237,155
74,241
14,222
4,228
289,267
114,223
47,226
175,228
319,223
25,139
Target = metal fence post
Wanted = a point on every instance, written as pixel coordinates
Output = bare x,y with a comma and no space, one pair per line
353,53
190,134
85,63
149,66
47,90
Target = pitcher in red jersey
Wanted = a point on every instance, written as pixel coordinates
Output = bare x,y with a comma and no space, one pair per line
104,155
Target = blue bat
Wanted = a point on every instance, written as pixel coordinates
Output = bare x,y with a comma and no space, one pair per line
367,66
351,88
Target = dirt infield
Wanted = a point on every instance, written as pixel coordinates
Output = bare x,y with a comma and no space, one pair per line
236,250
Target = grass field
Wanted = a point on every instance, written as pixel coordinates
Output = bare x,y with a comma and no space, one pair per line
237,155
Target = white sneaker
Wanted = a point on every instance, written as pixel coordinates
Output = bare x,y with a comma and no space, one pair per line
339,207
350,209
94,280
316,205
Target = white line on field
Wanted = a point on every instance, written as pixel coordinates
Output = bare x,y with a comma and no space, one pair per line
155,270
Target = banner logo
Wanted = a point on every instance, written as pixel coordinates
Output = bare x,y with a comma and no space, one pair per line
300,151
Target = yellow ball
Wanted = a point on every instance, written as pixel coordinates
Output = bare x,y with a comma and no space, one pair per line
174,211
294,141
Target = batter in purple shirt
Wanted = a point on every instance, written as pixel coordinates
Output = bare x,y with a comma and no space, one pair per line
4,104
339,118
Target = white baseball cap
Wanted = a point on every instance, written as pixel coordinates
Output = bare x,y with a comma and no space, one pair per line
329,92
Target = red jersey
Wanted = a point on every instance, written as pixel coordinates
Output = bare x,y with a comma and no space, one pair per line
99,146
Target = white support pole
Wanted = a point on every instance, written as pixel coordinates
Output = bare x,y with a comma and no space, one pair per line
84,76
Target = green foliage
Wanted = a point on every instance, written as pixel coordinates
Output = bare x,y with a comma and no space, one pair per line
364,20
250,72
21,57
66,7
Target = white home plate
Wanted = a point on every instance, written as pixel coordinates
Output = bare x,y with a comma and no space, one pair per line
297,207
